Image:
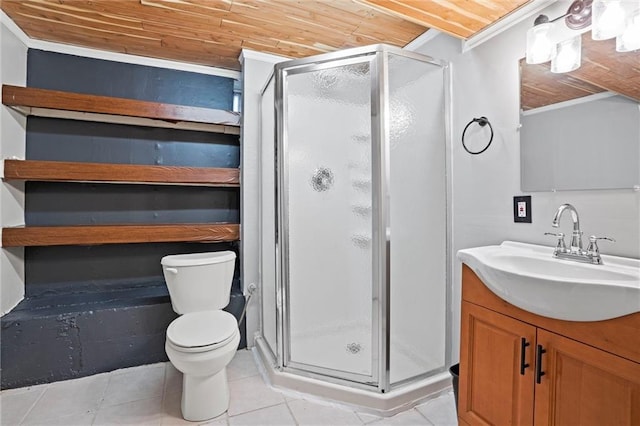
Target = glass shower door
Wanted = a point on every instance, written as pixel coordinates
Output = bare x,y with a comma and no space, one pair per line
326,220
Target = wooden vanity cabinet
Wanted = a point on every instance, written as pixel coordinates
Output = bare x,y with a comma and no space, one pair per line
584,385
492,390
517,368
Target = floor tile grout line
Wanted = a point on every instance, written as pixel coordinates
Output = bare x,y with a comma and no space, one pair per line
330,406
379,418
295,420
93,419
34,404
242,378
164,386
131,402
256,409
104,393
423,415
147,397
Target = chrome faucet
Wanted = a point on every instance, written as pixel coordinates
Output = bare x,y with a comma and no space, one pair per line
575,251
576,236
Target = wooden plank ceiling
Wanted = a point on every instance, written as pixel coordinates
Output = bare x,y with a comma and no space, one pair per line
603,69
212,32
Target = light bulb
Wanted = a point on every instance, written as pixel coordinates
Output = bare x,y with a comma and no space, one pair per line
569,55
539,46
608,19
630,39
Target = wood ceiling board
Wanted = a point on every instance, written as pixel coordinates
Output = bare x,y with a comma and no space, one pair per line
420,17
81,12
460,18
490,10
159,11
262,30
83,21
314,18
212,32
349,12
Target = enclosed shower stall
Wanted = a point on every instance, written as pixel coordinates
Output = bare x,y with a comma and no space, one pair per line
354,231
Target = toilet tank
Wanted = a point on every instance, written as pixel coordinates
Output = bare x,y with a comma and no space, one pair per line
199,281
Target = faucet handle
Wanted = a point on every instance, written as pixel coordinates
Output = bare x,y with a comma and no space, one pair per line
555,234
593,239
593,248
561,247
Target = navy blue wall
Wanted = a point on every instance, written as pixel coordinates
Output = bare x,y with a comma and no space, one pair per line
69,140
50,204
91,309
69,73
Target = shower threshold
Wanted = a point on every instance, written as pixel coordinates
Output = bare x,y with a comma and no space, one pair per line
382,404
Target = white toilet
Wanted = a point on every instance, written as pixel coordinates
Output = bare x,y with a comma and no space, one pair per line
203,340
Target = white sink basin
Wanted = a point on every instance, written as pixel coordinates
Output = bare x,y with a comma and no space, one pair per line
527,276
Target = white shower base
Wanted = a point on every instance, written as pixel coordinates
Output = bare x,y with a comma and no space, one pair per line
348,349
382,404
344,349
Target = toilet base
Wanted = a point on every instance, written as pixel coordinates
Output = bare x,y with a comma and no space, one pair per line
204,397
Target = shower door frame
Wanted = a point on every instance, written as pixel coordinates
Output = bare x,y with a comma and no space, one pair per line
377,56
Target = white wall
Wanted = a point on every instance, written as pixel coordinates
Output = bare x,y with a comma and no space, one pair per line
256,69
486,83
13,70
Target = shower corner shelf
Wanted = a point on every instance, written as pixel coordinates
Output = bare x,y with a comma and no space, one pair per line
105,109
119,234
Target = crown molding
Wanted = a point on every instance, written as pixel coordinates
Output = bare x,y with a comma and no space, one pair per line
422,39
260,56
505,23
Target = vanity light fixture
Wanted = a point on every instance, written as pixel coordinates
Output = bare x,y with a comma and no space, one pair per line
540,48
630,39
569,55
540,45
611,18
608,19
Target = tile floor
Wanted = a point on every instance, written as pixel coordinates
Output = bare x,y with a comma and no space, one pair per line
150,395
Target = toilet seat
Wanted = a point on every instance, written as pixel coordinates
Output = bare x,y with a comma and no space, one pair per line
202,331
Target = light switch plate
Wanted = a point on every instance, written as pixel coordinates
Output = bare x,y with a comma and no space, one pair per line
522,208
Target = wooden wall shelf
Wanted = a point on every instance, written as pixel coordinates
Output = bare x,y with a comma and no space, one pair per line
119,234
59,171
75,106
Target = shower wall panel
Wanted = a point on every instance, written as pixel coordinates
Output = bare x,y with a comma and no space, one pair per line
267,223
417,196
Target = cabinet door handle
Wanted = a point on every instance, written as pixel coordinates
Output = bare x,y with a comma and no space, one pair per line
523,349
539,372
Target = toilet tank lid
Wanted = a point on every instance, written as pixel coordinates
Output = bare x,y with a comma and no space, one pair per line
197,259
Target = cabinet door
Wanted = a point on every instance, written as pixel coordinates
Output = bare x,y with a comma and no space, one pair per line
492,388
585,386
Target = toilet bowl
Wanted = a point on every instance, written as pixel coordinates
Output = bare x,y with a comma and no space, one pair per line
203,340
200,345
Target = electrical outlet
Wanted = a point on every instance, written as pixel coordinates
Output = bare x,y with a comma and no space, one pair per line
522,208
